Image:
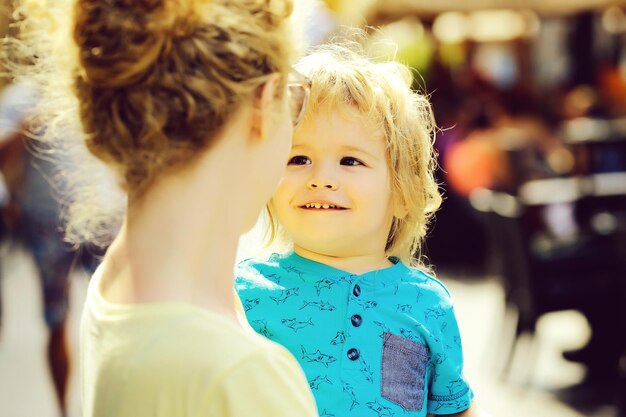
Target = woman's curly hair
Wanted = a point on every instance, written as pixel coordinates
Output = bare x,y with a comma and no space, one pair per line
158,78
139,86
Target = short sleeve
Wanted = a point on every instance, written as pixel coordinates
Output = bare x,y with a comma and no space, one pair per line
269,383
449,391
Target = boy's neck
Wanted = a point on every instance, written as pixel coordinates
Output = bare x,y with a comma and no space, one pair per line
356,264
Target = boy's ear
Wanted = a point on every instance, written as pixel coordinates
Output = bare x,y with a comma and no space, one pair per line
400,211
264,106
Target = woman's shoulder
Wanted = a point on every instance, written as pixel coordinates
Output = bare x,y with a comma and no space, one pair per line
247,367
268,381
174,338
203,341
216,360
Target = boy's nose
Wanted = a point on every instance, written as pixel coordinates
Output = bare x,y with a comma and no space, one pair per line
316,183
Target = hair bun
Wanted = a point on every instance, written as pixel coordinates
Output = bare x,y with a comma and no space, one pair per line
119,40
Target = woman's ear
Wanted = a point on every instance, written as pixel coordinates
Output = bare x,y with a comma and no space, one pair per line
264,107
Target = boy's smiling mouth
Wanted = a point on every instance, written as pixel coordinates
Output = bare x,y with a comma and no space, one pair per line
322,206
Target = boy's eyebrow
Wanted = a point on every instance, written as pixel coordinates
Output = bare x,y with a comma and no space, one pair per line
351,148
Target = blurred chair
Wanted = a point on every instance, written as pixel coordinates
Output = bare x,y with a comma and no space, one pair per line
546,268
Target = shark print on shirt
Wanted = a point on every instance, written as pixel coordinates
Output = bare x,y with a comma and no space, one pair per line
296,325
318,380
317,356
320,305
334,323
285,295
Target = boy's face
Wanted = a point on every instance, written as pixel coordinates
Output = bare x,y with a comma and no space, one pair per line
335,198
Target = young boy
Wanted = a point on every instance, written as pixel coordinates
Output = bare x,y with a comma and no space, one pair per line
374,333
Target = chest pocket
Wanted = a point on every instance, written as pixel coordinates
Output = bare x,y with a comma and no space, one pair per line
404,371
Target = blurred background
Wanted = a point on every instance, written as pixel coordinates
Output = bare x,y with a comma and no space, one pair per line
530,98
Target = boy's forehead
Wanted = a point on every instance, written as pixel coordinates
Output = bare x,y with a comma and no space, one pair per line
339,122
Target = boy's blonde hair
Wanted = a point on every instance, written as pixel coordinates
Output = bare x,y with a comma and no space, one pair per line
380,93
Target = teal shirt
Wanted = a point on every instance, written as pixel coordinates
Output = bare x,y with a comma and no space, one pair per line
382,344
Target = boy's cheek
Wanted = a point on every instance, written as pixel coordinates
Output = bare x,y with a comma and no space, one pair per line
285,192
298,224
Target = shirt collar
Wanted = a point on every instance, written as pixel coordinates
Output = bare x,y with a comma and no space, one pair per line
317,269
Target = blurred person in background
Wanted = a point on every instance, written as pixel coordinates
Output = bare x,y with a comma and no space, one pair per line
32,216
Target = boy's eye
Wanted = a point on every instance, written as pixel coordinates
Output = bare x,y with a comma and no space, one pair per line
350,161
299,160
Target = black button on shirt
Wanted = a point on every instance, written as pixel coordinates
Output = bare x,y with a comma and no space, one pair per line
356,320
353,354
356,290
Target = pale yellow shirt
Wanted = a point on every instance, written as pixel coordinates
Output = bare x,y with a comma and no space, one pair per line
178,360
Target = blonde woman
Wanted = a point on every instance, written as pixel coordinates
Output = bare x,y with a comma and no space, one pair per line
189,103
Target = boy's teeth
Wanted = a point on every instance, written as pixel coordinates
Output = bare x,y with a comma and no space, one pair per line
322,206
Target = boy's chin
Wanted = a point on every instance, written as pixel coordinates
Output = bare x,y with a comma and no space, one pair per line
326,248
